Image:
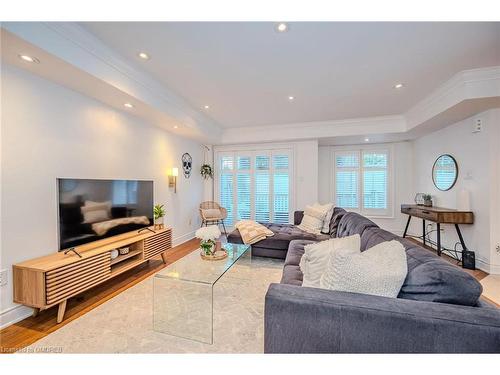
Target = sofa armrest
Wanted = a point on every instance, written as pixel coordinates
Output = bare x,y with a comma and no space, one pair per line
310,320
297,217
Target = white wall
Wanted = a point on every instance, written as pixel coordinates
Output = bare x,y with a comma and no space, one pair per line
49,131
402,170
477,156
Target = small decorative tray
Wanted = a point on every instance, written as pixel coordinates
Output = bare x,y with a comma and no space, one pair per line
219,255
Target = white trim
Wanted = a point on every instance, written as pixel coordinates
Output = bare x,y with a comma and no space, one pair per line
14,314
183,238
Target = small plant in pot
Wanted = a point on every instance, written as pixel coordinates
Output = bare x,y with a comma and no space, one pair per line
206,171
209,243
159,214
427,200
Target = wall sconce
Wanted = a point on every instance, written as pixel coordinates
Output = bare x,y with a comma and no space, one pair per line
172,179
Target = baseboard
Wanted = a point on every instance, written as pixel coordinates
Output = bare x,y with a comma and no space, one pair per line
184,238
14,314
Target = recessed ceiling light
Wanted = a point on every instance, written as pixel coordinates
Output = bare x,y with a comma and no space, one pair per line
129,105
367,139
399,86
29,59
206,107
281,27
291,98
143,55
175,126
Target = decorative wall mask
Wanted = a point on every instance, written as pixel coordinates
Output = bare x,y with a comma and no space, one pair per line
187,164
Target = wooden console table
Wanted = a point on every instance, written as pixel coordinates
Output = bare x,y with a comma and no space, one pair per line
439,216
53,279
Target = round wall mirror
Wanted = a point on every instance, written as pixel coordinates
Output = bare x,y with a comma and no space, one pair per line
445,172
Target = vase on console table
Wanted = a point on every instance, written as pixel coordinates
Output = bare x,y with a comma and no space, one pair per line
159,224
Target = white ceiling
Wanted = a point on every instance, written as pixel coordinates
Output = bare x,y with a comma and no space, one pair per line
246,71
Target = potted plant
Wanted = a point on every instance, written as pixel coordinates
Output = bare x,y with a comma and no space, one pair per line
206,171
208,245
427,200
159,214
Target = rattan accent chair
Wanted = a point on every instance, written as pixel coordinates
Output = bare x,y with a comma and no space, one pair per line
210,216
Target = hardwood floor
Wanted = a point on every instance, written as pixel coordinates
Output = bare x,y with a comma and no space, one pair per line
32,329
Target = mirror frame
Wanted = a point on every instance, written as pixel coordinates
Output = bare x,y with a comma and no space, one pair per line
456,175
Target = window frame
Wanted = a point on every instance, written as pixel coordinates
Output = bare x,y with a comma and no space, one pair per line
387,213
253,152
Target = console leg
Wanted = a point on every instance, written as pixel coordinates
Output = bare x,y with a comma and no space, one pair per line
35,312
61,311
164,257
423,231
407,225
438,239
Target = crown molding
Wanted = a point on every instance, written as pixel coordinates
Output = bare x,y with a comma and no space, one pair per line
314,130
465,85
76,46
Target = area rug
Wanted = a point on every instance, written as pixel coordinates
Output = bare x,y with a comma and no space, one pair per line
491,288
124,324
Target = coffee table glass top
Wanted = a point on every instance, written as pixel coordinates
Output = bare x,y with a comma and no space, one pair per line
193,268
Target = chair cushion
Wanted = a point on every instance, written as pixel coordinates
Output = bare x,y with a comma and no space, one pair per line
211,213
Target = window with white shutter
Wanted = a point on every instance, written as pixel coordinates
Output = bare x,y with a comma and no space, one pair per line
255,185
361,181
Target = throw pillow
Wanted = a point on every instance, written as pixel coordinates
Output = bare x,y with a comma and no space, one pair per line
315,259
328,209
337,214
312,222
380,270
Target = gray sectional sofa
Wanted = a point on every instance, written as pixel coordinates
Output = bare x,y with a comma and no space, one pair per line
438,310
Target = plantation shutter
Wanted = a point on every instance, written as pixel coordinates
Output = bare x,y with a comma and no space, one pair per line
375,194
255,185
262,188
281,188
347,179
226,196
243,189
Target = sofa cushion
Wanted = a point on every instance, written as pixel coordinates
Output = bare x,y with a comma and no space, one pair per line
433,279
353,223
337,214
283,234
291,275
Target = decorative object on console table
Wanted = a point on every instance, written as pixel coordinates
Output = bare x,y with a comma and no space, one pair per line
159,213
427,200
51,280
187,164
440,216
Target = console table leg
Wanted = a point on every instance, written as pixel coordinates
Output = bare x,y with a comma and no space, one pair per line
61,311
35,312
438,239
423,231
407,225
164,257
462,242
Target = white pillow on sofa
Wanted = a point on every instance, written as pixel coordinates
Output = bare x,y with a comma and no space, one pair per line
312,222
328,209
380,270
315,259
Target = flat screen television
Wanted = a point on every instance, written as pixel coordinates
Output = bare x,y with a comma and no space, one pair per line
90,210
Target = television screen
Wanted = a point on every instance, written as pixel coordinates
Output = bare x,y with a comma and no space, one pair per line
90,210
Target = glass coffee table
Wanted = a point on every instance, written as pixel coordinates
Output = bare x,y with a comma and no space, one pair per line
183,293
